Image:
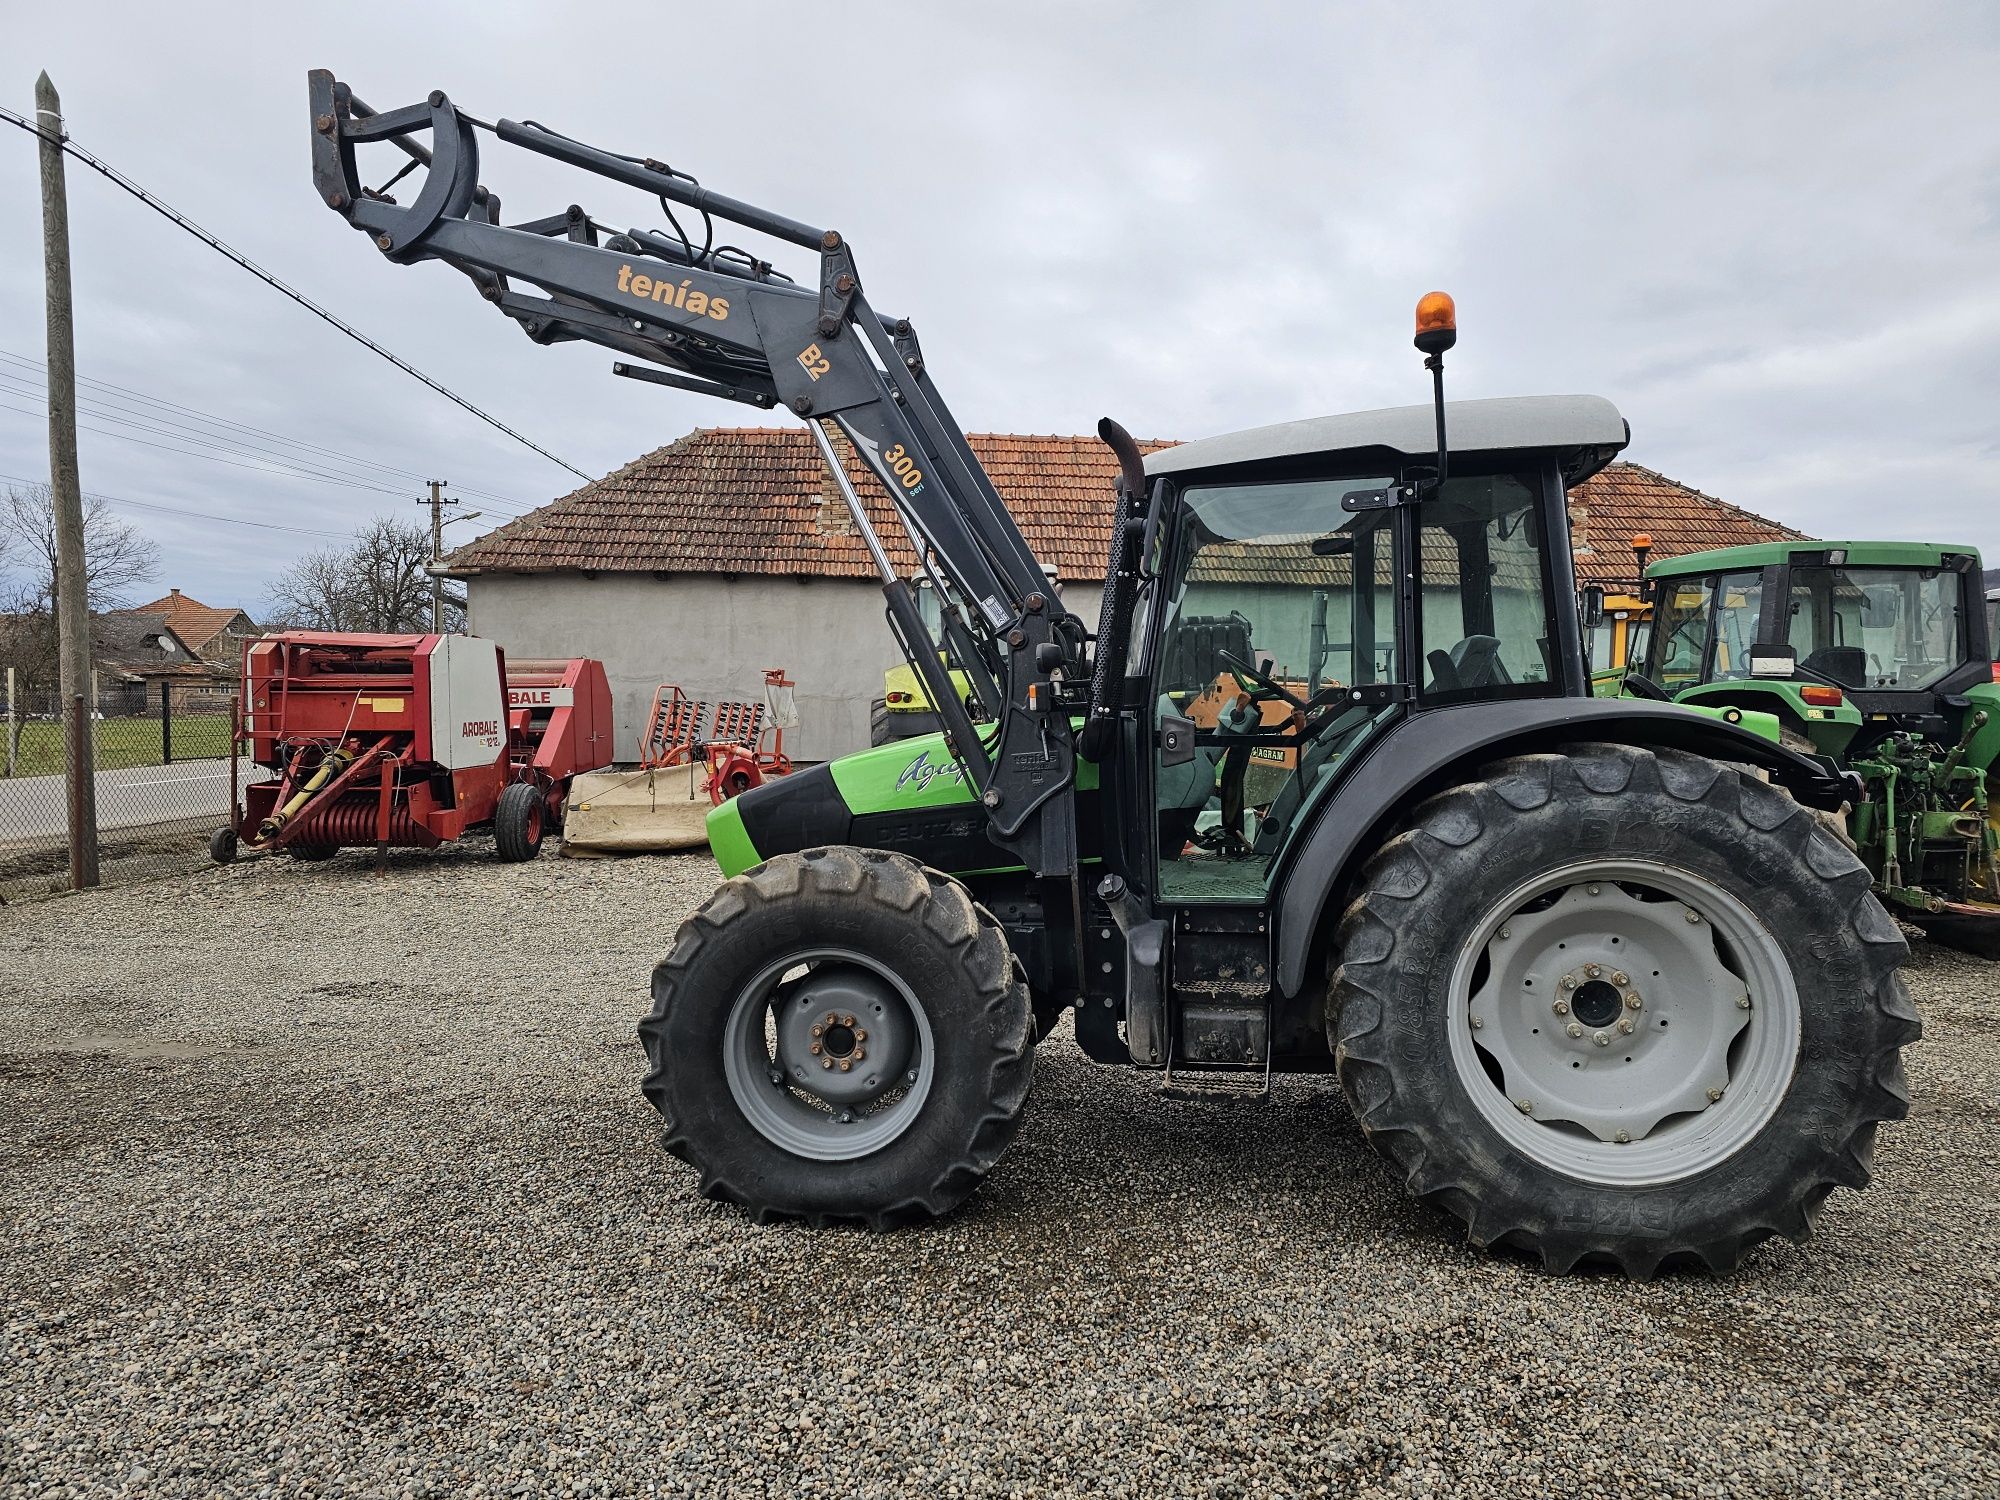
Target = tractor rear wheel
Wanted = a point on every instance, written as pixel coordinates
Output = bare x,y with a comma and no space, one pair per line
1620,1006
840,1035
517,821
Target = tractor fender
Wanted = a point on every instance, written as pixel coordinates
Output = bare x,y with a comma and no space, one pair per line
1436,748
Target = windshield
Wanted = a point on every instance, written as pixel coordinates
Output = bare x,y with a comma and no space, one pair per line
1886,629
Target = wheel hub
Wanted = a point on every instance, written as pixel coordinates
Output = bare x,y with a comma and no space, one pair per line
843,1035
1606,1013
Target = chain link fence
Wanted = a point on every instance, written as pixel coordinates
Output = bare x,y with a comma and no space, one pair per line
161,756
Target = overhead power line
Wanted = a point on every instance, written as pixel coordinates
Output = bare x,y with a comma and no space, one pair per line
174,215
177,510
226,426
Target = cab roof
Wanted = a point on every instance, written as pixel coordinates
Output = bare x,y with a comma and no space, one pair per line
1584,432
1809,553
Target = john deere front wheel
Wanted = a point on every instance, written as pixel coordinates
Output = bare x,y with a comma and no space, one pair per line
1621,1006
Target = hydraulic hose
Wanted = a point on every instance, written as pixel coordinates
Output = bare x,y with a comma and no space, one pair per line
337,760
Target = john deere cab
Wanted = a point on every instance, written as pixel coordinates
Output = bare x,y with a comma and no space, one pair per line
1877,654
1321,789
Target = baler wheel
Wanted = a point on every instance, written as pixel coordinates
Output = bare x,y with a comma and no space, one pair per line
517,822
222,845
312,853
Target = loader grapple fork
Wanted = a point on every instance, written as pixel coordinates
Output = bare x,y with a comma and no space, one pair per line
720,320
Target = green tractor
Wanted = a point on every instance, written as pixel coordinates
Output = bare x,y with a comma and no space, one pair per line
1879,656
1594,980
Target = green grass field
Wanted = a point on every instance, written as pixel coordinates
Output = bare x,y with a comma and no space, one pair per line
119,743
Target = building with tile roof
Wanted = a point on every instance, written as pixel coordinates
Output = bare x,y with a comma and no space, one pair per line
215,633
730,550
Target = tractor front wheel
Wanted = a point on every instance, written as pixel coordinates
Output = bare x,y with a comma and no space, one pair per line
517,821
1622,1007
840,1036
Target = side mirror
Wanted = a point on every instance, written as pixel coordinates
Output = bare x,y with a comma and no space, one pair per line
1590,604
1771,660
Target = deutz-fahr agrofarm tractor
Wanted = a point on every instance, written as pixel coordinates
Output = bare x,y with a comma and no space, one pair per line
1594,977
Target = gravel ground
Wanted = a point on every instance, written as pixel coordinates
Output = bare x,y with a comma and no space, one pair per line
318,1183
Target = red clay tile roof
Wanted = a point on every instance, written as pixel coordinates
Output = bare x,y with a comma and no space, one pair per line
197,624
1607,510
757,500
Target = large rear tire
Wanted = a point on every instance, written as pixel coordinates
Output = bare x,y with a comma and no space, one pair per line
880,730
1621,1006
840,1035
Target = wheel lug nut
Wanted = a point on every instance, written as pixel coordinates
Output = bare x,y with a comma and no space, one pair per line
1592,889
1626,1027
847,1020
1561,1007
826,1062
1623,1137
846,1065
1621,979
815,1049
818,1030
1506,932
1693,917
1525,1106
1591,971
1477,1023
1632,1001
860,1036
1715,1096
1602,1038
1569,981
1574,1029
1744,1003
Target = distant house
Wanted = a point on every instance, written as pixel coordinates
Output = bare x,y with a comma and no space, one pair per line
730,551
135,651
215,634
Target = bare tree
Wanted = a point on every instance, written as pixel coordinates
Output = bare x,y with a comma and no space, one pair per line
116,558
376,582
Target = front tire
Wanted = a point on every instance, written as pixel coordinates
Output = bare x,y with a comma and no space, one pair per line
840,1035
1508,979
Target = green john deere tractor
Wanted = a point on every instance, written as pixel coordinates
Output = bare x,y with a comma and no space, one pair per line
1878,655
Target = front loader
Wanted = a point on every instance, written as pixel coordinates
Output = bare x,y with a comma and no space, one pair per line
1592,975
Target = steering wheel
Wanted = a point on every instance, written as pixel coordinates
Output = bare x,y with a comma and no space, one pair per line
1642,686
1262,684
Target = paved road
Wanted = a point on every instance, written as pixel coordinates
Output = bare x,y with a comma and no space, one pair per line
35,806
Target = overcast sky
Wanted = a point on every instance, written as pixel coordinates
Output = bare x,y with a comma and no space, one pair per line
1770,233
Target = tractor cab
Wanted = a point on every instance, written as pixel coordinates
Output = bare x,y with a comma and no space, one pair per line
1869,636
1308,585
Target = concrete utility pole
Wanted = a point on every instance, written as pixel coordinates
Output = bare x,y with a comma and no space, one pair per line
437,503
72,588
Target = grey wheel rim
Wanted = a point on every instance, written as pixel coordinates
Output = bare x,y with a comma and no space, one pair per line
828,1054
1624,1023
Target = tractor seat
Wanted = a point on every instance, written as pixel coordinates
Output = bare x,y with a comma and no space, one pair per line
1844,664
1473,663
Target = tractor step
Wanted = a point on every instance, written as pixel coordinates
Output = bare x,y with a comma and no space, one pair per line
1214,1088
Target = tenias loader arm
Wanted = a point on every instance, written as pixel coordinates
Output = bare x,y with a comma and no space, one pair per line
716,319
